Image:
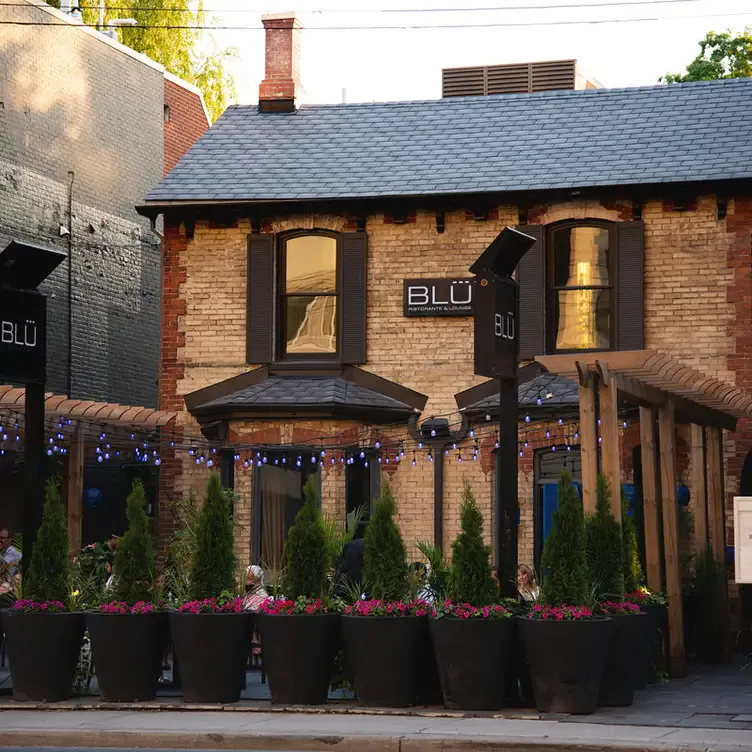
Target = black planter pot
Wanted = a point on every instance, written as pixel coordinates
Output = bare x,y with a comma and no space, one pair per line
213,652
384,653
472,656
43,652
624,660
127,650
658,616
298,652
566,660
429,685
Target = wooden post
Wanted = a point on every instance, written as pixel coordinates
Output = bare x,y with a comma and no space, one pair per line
667,437
648,446
75,490
715,493
588,441
699,499
609,414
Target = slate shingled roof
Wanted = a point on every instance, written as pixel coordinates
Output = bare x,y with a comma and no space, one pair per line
308,391
563,139
564,394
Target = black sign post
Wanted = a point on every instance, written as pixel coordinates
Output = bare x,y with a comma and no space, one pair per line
23,359
497,348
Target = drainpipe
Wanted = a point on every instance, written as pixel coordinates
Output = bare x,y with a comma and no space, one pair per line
435,433
69,374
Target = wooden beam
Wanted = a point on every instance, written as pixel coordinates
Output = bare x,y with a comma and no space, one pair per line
699,499
610,458
716,516
75,490
588,445
667,438
648,450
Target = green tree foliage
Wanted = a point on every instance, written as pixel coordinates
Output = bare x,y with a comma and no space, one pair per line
471,580
306,550
213,567
721,56
604,545
633,574
49,575
564,560
182,51
135,560
385,571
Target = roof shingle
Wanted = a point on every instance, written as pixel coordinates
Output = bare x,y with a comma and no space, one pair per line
550,140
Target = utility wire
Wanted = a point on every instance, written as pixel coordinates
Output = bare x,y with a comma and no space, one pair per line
402,27
350,11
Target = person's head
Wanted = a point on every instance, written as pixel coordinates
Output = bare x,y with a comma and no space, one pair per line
254,576
112,543
5,538
525,576
418,568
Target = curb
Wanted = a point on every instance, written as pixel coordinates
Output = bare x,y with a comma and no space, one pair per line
322,743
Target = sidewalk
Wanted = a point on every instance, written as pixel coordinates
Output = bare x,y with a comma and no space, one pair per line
710,710
346,733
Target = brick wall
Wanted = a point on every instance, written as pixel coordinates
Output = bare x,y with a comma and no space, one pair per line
78,109
697,277
186,123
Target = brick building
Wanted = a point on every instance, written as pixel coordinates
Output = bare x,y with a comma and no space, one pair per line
87,126
293,346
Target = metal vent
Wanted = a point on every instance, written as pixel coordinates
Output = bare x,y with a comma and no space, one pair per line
522,78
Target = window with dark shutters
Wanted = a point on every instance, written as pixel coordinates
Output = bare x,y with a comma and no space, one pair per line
563,297
260,323
630,281
354,297
307,297
531,279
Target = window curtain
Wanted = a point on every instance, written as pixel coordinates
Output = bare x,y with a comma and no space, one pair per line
280,490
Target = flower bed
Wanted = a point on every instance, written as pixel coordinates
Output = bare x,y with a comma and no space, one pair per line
121,607
620,608
30,606
466,611
377,607
222,605
298,607
561,613
643,596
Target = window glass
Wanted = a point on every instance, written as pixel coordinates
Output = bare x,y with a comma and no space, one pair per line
311,264
582,319
311,324
581,257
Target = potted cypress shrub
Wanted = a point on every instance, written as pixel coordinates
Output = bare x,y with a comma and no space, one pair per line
211,633
605,558
633,580
128,633
43,636
471,631
565,642
300,632
383,633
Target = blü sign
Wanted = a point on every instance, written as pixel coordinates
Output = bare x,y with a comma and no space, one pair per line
22,336
438,297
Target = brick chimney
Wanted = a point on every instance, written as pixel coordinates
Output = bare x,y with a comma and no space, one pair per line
281,84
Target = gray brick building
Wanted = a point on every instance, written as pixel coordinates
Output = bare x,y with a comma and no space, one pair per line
81,142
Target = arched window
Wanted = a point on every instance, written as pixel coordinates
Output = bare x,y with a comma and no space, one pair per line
309,286
580,282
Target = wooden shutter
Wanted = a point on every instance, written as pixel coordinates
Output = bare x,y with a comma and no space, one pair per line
531,276
260,334
630,289
353,298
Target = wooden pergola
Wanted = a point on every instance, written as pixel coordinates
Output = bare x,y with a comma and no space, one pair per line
81,413
666,392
